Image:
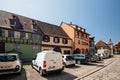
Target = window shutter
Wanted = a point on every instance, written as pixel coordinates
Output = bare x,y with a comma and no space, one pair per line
26,35
3,32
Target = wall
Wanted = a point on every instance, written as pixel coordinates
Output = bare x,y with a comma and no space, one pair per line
27,50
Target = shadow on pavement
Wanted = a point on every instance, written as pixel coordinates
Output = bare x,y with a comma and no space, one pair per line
73,67
60,76
91,64
19,76
99,61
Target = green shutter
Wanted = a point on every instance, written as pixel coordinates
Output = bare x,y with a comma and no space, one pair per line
30,38
3,32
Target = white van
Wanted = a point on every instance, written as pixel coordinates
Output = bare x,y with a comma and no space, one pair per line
10,63
48,61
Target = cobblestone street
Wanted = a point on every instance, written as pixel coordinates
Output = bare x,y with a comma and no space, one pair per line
111,72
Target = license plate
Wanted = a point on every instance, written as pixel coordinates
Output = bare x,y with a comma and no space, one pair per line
51,67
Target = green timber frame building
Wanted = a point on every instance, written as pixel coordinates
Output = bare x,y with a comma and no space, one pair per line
19,34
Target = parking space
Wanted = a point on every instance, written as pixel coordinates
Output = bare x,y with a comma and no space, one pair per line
69,73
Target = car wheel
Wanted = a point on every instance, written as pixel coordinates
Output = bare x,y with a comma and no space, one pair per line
41,72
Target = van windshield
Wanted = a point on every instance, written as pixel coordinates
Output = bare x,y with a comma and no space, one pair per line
6,58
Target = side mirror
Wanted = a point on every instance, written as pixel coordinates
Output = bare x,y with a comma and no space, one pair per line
33,58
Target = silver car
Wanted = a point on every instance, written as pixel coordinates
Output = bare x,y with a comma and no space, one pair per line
68,60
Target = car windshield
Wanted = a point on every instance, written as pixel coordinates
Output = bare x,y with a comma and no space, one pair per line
5,58
80,56
70,57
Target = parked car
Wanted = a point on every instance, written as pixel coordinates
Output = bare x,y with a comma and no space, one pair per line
68,60
10,63
48,61
105,55
80,58
94,57
100,56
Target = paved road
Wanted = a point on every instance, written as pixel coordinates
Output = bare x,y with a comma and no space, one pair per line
69,73
111,72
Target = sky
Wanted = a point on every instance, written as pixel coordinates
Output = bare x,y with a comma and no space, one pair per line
100,18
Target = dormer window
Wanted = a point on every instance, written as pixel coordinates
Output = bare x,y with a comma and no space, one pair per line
34,28
34,25
13,21
14,17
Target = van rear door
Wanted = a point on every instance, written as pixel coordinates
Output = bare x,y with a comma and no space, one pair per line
53,61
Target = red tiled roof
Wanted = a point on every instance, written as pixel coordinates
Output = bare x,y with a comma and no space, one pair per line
101,44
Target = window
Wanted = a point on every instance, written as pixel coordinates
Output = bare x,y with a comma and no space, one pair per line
17,34
66,51
78,41
85,43
22,35
77,33
7,58
11,34
35,37
46,38
16,46
34,28
0,32
65,41
82,35
13,21
34,25
35,47
56,40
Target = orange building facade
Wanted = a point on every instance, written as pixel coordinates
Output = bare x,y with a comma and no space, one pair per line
79,36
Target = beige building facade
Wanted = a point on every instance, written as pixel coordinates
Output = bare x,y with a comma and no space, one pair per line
54,38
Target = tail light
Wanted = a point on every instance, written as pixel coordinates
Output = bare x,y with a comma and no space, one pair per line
44,64
66,59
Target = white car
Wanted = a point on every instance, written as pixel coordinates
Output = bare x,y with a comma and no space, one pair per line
68,60
48,61
10,63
